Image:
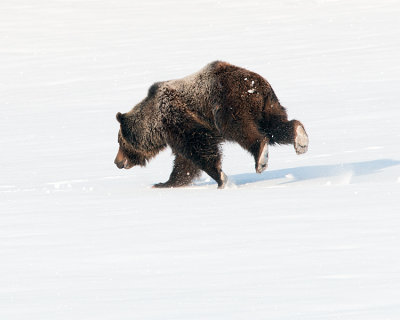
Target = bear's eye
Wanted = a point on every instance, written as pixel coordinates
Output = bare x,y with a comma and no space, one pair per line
122,142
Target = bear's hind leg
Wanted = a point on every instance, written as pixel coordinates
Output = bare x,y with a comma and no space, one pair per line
245,132
257,144
183,173
289,132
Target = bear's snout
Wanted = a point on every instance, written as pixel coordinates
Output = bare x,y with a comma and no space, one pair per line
120,160
124,164
119,164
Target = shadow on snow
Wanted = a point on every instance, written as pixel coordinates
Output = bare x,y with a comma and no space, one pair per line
315,172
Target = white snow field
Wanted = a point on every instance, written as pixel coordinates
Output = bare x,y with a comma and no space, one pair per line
315,236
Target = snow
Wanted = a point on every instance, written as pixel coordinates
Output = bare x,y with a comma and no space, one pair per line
315,236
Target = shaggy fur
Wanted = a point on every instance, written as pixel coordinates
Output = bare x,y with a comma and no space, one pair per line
193,115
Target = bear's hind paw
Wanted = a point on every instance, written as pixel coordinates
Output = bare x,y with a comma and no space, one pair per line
223,181
301,140
262,161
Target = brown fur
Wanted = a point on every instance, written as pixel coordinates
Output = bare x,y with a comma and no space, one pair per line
193,115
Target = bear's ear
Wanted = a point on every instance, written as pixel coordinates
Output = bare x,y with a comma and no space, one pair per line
119,117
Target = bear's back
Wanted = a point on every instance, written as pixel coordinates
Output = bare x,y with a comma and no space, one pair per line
198,90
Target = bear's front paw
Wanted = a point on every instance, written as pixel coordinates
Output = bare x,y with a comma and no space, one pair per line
301,140
162,185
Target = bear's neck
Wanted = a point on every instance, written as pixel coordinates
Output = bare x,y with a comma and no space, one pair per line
147,133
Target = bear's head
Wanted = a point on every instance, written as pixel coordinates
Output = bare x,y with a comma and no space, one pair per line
128,156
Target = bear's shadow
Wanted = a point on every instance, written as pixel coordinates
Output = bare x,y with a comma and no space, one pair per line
311,172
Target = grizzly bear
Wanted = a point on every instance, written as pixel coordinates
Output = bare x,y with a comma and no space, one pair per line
195,114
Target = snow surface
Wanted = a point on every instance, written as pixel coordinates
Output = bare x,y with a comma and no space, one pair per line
314,237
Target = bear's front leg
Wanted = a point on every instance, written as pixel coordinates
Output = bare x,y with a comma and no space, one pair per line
193,138
183,173
201,147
